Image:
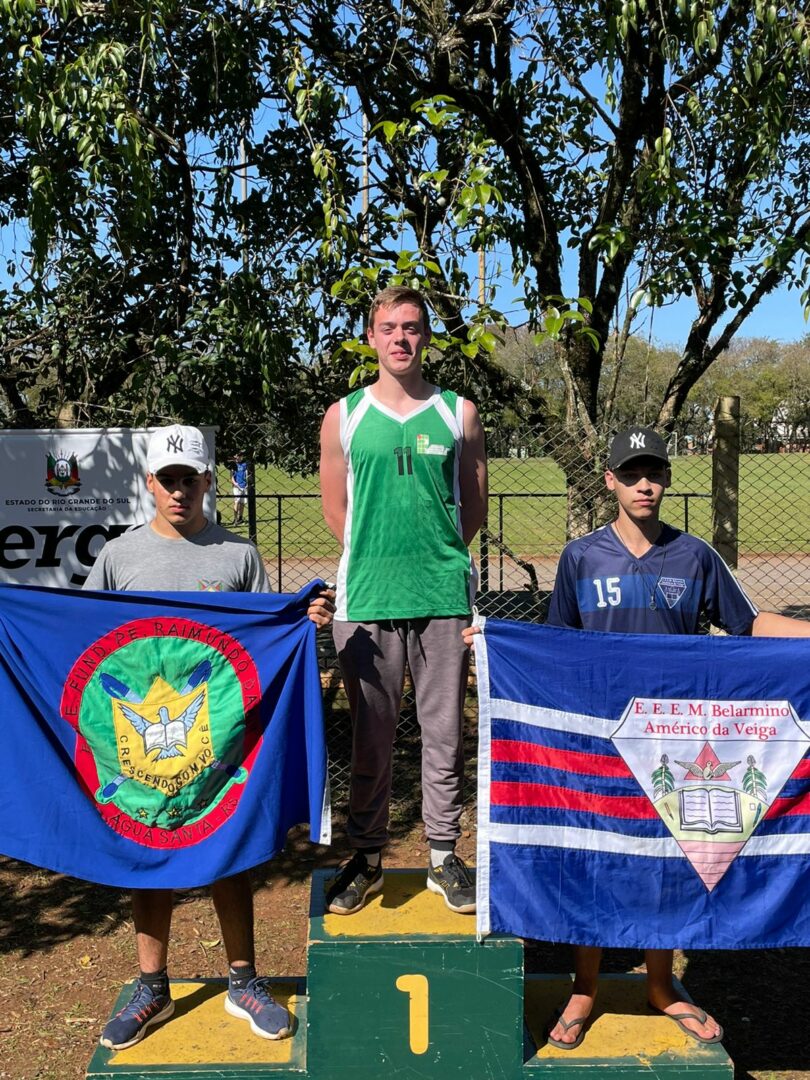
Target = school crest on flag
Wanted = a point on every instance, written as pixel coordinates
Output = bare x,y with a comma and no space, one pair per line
165,715
174,741
711,769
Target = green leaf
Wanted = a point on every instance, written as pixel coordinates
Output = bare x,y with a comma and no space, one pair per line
590,335
639,297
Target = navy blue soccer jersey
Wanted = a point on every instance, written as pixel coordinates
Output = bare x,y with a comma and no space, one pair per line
602,586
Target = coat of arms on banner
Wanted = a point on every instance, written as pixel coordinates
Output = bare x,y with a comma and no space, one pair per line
711,769
166,713
63,474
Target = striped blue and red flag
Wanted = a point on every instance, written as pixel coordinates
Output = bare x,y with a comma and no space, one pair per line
643,790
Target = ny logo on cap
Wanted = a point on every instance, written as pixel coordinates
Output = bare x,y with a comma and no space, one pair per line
175,443
637,441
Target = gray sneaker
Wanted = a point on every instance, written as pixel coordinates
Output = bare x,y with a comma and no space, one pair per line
455,883
354,882
266,1017
142,1011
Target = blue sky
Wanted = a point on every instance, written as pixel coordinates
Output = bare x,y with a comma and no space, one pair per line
778,316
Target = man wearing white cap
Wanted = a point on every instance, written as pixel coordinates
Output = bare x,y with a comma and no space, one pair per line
180,550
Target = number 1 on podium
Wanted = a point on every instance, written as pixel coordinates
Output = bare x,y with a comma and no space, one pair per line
416,987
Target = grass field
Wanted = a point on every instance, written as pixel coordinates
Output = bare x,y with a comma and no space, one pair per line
528,498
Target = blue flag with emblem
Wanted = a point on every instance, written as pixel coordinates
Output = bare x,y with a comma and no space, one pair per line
641,790
158,740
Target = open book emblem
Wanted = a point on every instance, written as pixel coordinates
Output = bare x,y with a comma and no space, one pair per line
164,741
713,770
168,735
709,809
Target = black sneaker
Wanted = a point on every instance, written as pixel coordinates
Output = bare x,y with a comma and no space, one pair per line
143,1009
354,882
455,883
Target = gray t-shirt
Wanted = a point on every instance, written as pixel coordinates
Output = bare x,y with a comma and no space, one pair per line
213,560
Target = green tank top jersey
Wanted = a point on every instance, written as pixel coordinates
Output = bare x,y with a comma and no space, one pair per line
403,553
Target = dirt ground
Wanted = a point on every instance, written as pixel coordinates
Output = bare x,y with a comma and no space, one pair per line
66,947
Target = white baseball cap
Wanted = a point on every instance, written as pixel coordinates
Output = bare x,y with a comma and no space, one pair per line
177,445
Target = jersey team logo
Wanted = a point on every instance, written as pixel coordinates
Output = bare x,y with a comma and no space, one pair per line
672,589
425,446
166,716
63,474
711,769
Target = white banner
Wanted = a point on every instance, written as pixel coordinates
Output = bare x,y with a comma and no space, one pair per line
65,493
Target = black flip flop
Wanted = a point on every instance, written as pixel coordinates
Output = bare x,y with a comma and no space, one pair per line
699,1015
568,1024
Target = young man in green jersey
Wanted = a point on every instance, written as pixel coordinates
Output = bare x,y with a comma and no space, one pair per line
404,488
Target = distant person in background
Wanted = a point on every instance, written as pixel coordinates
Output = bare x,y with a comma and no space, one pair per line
239,479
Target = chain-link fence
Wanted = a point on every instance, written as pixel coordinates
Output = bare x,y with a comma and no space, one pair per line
754,507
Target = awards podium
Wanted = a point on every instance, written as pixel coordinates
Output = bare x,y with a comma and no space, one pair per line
404,990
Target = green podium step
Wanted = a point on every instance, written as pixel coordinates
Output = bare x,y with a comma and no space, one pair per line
403,991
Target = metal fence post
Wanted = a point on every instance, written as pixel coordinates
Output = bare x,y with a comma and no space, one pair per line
726,479
251,502
484,554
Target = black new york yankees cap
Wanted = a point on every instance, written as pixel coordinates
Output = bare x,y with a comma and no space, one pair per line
636,442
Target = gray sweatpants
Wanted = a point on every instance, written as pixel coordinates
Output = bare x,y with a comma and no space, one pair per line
372,658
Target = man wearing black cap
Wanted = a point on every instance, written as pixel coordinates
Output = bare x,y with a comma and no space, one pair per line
638,575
